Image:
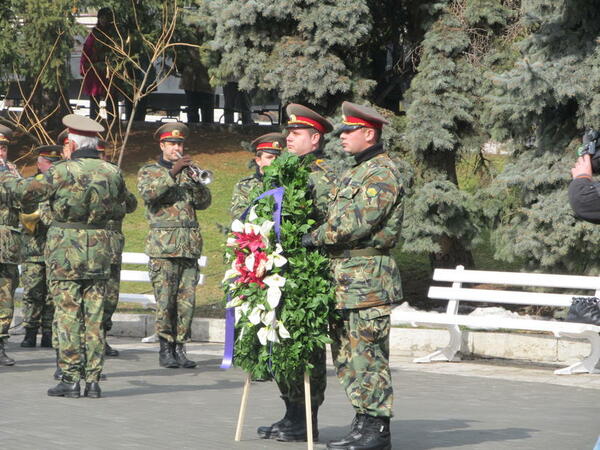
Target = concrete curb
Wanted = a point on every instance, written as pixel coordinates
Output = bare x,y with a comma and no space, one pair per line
412,342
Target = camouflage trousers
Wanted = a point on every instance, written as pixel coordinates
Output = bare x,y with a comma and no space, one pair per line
112,296
9,279
360,350
174,281
38,307
293,390
79,309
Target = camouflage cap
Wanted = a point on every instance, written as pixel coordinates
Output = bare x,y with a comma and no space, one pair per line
272,143
360,116
50,152
172,132
82,125
300,116
62,137
5,134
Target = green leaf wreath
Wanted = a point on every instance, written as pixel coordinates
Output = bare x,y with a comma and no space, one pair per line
275,337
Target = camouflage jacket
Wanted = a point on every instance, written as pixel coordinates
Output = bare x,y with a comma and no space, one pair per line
10,234
366,213
171,205
115,227
34,244
240,199
82,193
322,181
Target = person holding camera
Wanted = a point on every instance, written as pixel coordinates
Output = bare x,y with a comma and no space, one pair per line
584,193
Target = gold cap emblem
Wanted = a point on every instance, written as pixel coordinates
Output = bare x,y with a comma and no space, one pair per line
176,133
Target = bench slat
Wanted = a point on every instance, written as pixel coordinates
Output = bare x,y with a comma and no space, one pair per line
141,276
493,296
517,278
497,322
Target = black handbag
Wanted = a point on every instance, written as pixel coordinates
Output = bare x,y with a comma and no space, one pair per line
584,310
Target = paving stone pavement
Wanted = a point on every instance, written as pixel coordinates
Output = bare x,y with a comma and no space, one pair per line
468,405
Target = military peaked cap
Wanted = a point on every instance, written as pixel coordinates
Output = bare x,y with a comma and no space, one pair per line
360,116
302,117
5,134
272,143
50,152
172,132
81,125
62,137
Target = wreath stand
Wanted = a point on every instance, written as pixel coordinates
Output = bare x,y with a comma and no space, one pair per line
307,403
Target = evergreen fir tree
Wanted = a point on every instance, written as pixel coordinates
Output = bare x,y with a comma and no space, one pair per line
543,103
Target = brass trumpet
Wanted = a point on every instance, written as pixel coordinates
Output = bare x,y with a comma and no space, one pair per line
197,174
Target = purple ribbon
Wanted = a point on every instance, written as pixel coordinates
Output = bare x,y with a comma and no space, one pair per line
277,195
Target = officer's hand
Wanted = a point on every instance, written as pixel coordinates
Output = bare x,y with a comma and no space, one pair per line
307,241
178,165
582,168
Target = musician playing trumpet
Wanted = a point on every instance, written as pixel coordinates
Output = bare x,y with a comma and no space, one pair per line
172,195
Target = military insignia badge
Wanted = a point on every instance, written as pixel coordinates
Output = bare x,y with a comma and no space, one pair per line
292,117
372,192
39,176
175,133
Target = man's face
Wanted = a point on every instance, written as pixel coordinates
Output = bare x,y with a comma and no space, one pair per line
300,141
355,141
3,151
172,151
68,148
265,159
43,164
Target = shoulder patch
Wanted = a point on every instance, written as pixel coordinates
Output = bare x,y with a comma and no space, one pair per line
39,176
372,192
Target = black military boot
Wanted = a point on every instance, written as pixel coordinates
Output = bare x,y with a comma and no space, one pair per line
109,351
272,431
374,435
353,436
30,337
165,355
4,359
65,389
46,341
92,390
181,357
57,372
296,430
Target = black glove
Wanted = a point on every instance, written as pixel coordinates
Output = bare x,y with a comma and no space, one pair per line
180,164
307,241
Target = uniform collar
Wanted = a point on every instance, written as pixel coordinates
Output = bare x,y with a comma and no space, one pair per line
164,163
369,153
85,152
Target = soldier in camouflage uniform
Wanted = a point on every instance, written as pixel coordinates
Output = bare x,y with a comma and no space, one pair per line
117,242
172,194
84,193
266,149
305,131
362,226
38,307
10,245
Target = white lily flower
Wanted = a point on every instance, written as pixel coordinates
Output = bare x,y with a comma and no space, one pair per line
278,260
269,318
262,335
265,228
274,280
273,296
237,226
283,332
262,268
255,316
231,242
250,262
237,314
278,248
251,228
229,275
272,334
236,301
252,214
245,307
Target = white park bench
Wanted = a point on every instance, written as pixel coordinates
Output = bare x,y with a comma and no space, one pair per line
457,293
138,276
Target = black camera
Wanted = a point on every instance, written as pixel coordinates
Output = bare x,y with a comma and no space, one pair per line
590,147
